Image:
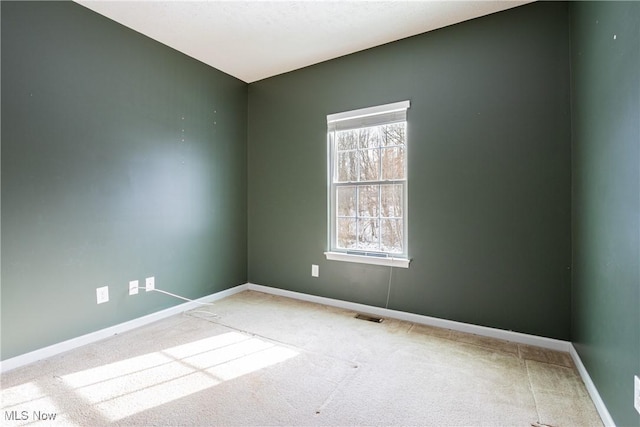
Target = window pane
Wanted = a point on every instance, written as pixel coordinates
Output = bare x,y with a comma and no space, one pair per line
369,137
368,201
346,166
347,139
368,234
370,164
391,235
393,163
391,205
368,182
346,197
346,233
393,134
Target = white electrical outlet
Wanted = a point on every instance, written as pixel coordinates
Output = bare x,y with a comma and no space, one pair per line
315,270
133,287
102,294
636,393
150,283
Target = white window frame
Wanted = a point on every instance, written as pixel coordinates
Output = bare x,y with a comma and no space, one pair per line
364,117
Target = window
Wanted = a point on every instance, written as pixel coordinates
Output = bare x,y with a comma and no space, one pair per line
368,185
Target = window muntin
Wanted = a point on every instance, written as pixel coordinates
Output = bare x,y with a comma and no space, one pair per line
368,181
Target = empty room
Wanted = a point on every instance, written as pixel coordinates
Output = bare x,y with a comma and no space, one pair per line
320,213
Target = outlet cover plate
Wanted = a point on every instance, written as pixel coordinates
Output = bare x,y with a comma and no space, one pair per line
133,287
150,283
102,294
636,393
315,270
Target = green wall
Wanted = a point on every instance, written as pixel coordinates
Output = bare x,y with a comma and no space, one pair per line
489,172
606,198
98,187
515,167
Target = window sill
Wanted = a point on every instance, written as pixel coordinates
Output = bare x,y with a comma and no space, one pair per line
391,262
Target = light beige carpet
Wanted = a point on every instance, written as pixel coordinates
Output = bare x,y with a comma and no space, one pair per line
267,360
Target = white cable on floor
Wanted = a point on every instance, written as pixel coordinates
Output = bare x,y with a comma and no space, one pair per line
205,312
208,313
174,295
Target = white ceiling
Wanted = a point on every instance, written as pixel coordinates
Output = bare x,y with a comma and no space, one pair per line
253,40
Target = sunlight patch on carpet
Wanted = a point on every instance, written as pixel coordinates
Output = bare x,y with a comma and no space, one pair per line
124,388
18,404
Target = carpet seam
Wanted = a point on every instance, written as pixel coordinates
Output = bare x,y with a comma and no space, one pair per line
533,393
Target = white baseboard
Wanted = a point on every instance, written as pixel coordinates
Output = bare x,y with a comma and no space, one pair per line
52,350
516,337
553,344
591,389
